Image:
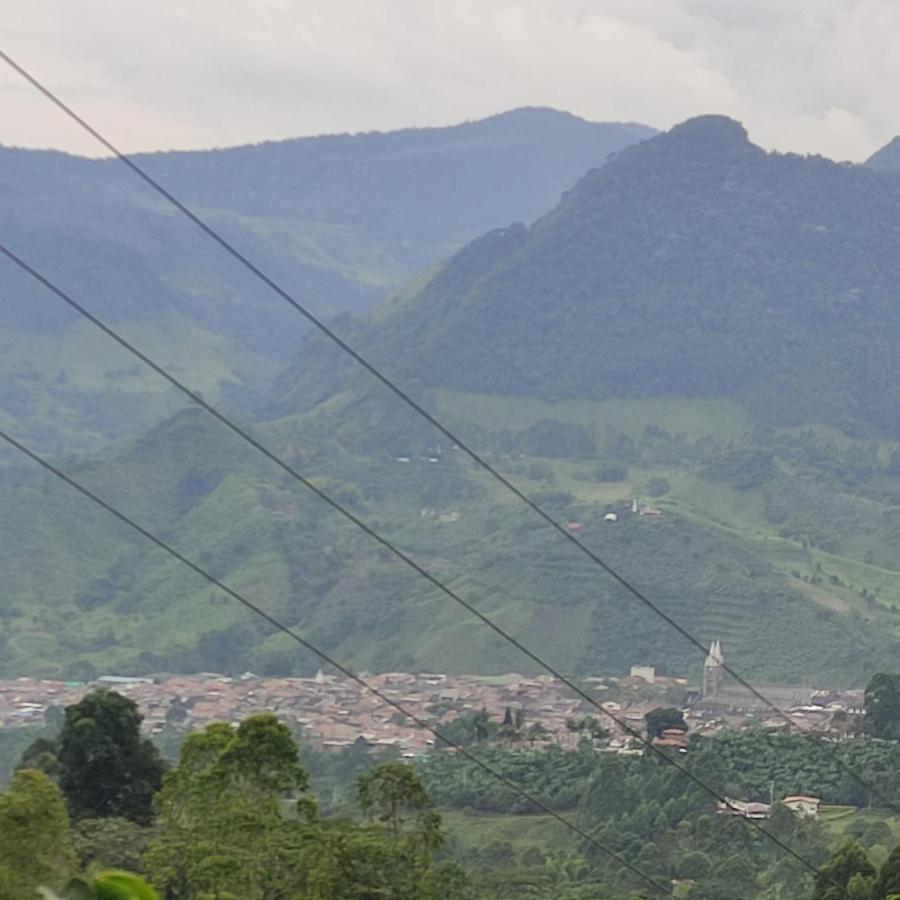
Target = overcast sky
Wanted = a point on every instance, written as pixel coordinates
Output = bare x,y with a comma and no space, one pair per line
813,76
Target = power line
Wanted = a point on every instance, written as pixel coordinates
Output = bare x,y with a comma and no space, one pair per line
376,373
325,657
384,542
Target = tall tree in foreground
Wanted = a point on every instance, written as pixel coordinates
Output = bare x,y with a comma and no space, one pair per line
34,836
849,865
105,767
226,813
888,885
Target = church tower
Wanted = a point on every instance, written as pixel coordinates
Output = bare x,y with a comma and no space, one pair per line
712,671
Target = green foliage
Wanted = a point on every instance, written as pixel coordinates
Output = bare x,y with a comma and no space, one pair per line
554,776
110,843
105,767
849,863
888,884
882,700
791,763
34,836
235,817
658,720
539,303
392,793
13,743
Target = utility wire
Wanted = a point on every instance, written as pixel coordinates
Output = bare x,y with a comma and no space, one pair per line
376,373
384,542
329,660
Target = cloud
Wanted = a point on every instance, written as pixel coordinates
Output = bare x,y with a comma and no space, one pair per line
807,76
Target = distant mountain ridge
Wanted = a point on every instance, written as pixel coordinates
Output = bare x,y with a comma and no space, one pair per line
693,264
342,221
887,158
659,335
418,186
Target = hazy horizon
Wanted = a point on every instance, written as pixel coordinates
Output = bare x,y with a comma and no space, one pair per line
815,78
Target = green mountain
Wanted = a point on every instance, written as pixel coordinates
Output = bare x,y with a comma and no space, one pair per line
694,265
341,221
698,324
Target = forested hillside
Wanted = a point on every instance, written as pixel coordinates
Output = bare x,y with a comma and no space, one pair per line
694,264
699,326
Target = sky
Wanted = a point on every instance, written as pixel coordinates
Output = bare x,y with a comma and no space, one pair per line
808,76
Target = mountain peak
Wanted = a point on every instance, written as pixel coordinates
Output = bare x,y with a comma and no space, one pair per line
703,141
711,130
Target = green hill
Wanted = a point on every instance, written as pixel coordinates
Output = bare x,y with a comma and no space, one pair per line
102,600
699,324
693,264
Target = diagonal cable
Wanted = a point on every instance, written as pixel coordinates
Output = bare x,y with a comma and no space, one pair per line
376,373
384,542
329,660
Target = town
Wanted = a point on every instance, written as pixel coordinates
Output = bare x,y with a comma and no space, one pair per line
334,712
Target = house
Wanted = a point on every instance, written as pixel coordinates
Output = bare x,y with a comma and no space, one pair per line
807,807
673,738
743,808
611,517
647,673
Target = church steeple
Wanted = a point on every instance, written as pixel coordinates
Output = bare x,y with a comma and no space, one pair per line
712,670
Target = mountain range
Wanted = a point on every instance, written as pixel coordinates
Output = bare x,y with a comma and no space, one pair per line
341,221
698,330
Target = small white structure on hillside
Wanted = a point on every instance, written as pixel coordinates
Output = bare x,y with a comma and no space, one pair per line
807,807
648,673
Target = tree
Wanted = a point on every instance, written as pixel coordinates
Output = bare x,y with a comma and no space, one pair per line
888,883
34,836
882,700
391,793
261,761
41,754
848,861
658,720
110,843
105,767
222,812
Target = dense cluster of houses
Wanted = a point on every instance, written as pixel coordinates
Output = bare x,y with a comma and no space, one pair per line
336,712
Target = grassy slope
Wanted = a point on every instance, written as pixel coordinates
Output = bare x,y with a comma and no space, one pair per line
737,513
714,563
